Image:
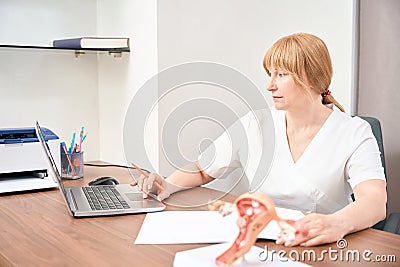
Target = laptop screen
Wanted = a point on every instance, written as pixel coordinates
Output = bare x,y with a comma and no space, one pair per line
51,161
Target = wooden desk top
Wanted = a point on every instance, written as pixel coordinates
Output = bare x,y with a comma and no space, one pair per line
37,230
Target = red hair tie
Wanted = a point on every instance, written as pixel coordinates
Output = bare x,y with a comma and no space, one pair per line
326,93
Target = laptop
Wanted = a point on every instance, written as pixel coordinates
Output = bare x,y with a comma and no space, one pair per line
100,200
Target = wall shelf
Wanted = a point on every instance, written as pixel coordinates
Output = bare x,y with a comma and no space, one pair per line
116,52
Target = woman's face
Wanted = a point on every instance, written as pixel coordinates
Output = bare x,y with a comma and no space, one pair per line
286,93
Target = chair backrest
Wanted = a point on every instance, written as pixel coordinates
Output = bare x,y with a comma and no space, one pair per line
377,131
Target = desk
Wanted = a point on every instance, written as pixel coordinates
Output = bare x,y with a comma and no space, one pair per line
37,230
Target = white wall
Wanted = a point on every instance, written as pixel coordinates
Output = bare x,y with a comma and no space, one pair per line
50,86
238,33
118,83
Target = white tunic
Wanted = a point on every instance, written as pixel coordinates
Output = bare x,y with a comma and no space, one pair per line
343,153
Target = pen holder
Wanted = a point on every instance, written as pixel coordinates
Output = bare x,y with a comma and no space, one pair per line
72,165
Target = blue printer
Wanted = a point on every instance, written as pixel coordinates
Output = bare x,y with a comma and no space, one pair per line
23,165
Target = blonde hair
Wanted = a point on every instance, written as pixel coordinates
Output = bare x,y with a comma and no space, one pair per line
303,54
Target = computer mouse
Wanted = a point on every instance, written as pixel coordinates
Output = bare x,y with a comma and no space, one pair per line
104,181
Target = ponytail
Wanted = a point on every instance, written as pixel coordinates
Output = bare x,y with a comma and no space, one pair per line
327,98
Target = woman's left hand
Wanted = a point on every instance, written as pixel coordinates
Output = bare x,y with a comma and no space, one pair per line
319,228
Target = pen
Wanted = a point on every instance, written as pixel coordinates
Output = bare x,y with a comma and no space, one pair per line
76,149
64,147
147,176
84,137
81,138
72,142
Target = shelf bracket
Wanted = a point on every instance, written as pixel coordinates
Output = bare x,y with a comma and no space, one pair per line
115,54
79,53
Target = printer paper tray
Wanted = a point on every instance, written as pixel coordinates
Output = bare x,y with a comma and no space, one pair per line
24,183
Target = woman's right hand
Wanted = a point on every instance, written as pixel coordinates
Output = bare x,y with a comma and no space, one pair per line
153,183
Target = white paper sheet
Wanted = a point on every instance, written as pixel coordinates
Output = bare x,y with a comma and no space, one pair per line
194,227
205,256
272,230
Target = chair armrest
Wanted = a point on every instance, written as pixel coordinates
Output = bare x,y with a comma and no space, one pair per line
392,224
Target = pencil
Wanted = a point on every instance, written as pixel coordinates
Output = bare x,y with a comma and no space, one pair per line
146,175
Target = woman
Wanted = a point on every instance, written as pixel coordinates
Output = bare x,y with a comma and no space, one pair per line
322,155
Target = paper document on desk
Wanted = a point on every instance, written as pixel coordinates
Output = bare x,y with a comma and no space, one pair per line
193,227
205,256
272,230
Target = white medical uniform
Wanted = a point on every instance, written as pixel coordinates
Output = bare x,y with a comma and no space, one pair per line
343,154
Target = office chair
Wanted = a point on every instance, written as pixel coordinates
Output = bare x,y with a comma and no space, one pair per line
392,222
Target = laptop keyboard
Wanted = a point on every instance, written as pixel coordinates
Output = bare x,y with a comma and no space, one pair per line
104,197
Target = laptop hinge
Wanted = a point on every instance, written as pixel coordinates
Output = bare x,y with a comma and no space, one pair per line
72,202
